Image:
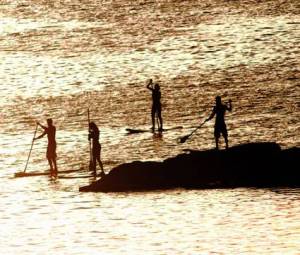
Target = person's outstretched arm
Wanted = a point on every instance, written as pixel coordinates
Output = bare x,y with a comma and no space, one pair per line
40,136
149,85
212,114
43,127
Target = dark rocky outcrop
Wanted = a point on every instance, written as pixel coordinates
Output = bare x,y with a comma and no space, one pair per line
248,165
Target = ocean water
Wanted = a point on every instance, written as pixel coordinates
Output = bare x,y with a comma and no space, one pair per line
59,58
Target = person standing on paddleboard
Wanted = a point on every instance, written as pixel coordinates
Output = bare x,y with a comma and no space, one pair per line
220,127
156,105
94,134
50,131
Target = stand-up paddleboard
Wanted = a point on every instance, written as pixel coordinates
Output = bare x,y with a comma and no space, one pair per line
31,174
137,131
79,176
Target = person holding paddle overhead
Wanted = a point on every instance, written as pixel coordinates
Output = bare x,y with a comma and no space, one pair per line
156,105
50,131
94,134
220,127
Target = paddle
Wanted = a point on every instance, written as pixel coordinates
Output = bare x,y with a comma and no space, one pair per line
30,148
184,138
90,145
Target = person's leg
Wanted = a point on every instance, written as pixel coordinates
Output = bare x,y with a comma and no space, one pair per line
160,127
94,160
50,164
217,136
48,156
153,118
51,157
52,170
225,135
226,142
100,164
217,142
55,166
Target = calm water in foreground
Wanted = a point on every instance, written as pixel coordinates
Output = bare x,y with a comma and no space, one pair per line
58,59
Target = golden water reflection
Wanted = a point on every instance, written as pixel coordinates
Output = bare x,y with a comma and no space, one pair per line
60,58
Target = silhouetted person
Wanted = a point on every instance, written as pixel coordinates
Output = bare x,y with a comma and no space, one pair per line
50,131
220,127
94,134
156,105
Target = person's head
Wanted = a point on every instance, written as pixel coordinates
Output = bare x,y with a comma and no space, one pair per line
49,122
156,86
93,126
218,100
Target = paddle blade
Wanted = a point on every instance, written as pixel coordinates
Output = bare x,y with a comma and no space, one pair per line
183,139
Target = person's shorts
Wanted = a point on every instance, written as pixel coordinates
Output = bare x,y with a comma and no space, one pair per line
156,108
220,129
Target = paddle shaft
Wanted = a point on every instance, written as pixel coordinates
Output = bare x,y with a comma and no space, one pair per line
187,137
197,129
30,148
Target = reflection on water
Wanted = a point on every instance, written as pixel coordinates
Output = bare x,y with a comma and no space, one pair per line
215,221
58,59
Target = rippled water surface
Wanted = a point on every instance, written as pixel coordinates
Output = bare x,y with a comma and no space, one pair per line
59,58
